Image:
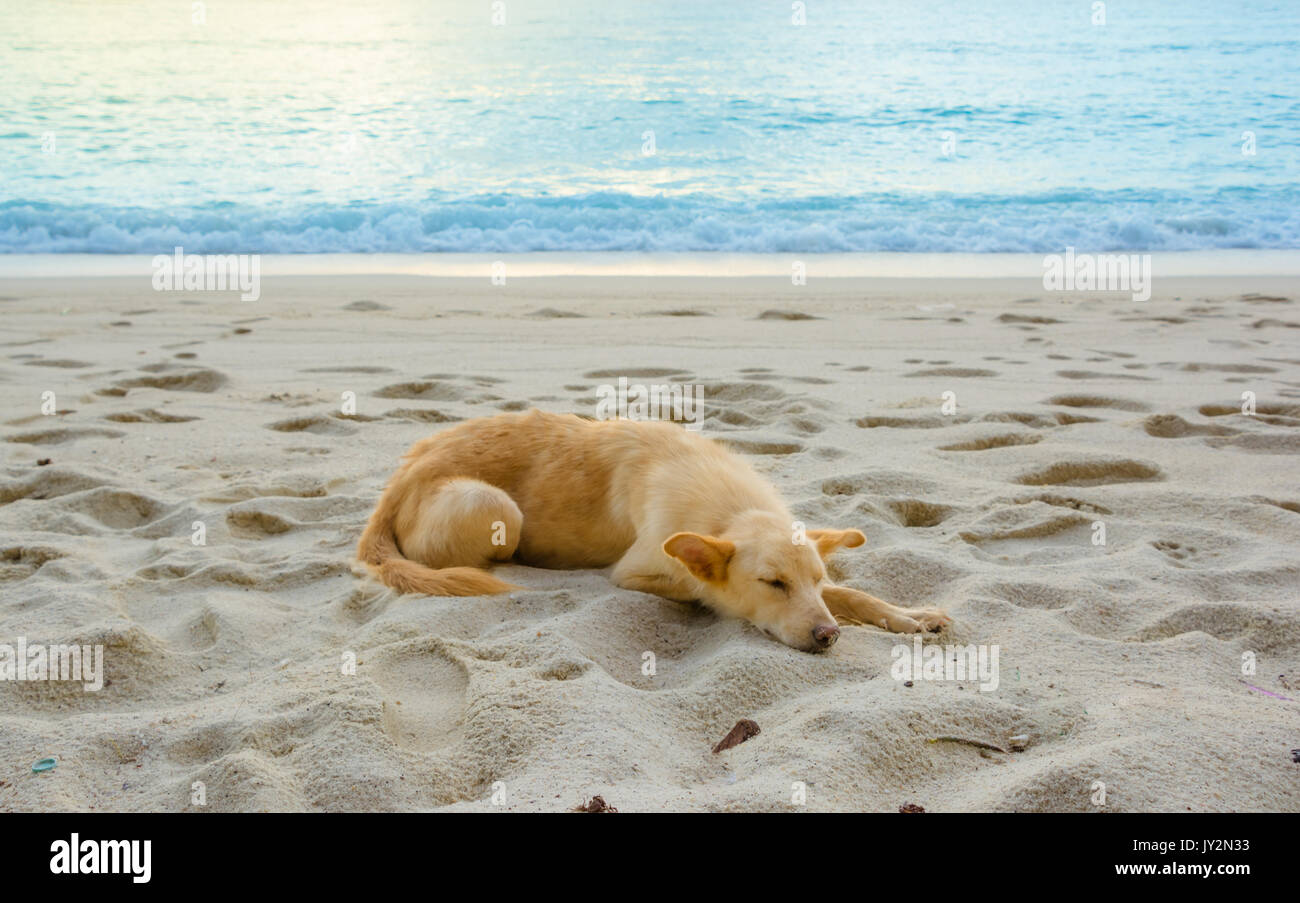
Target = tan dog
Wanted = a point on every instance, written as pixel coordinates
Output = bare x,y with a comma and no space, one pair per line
676,515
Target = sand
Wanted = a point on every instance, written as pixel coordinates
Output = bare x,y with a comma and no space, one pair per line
225,662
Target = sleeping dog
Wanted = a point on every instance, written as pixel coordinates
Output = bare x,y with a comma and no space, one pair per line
673,513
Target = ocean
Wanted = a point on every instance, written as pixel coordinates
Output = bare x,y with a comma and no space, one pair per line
748,126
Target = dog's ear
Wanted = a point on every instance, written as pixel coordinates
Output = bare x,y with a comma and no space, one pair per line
827,541
705,556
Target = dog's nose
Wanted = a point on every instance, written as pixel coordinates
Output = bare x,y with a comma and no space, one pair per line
825,635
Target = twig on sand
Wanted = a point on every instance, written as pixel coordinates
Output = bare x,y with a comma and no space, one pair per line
969,742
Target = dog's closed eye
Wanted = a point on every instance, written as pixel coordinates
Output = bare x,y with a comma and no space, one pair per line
776,584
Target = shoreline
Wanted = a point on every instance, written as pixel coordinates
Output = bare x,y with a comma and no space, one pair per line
1164,265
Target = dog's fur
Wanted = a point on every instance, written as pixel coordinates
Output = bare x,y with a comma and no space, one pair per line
675,514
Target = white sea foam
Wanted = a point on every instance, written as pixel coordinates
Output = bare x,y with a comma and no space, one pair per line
605,223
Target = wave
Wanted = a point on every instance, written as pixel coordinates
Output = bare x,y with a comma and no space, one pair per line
1116,221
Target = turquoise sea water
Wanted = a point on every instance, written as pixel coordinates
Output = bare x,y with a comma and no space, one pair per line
341,126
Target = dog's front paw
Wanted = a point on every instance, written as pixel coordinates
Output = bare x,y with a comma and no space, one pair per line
920,620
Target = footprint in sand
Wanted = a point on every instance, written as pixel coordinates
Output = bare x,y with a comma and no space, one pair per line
61,364
763,447
1062,501
1176,551
954,372
804,426
1293,507
733,417
1071,533
59,436
299,486
1096,401
1267,444
257,522
1171,426
259,517
918,513
148,415
1246,626
423,692
909,423
118,509
1227,368
46,484
771,377
551,313
1028,319
420,415
1039,421
1093,374
320,426
1001,441
430,390
742,392
1091,472
882,483
20,562
679,312
184,379
790,315
1272,414
636,373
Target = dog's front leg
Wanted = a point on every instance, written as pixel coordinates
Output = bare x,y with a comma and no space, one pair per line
855,606
645,568
657,585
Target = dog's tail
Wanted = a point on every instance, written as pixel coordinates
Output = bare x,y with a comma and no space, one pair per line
378,551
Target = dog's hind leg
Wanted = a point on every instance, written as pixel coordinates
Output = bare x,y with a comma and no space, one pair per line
462,523
854,606
439,536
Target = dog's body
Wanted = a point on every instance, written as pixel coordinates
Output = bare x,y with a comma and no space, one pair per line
675,515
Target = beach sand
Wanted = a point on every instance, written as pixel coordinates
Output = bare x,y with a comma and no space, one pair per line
1121,662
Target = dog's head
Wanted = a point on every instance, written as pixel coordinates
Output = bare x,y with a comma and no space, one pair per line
762,570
